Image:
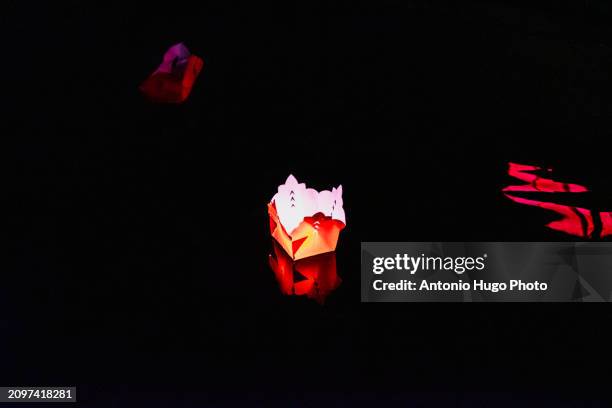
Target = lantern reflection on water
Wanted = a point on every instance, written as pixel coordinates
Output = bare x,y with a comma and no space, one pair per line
315,277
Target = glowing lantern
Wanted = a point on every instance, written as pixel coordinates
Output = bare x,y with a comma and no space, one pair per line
173,79
306,222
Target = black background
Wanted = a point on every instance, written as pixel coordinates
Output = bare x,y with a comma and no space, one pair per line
141,234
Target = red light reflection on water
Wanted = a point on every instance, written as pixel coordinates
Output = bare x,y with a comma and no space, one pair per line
537,183
574,220
315,277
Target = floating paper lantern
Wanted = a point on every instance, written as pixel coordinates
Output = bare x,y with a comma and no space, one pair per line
173,79
306,222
